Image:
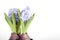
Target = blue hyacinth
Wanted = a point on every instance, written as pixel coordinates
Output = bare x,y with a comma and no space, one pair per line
17,19
15,13
26,14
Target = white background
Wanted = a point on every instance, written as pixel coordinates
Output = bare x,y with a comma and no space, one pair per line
46,24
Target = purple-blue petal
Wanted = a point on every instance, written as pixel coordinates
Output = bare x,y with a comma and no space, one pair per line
15,13
26,14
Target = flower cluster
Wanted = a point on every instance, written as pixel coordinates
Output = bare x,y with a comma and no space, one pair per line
26,14
14,10
22,18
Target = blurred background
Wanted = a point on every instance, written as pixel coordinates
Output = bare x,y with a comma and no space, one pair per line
45,25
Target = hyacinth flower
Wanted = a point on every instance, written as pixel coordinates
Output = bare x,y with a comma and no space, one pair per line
14,22
26,18
19,23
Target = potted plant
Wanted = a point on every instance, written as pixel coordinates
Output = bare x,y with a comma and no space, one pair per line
19,22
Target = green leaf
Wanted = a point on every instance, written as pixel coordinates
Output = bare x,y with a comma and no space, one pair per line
18,28
28,23
22,24
9,22
19,13
14,21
